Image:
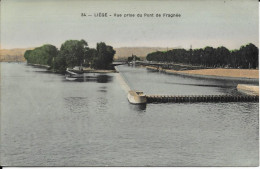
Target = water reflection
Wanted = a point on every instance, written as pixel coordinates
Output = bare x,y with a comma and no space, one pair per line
104,78
57,122
138,107
102,90
99,78
76,104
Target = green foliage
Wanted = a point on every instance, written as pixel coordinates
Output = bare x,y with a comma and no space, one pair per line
72,53
59,63
248,56
42,55
245,57
89,57
103,56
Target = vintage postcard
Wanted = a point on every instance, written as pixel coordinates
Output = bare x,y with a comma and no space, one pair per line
165,83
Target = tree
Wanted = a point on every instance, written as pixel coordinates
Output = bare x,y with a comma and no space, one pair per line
222,57
59,63
41,55
248,56
89,57
27,55
74,52
245,57
103,57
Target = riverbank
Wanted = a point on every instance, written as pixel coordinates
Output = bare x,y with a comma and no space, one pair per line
238,73
249,75
85,70
38,65
89,70
248,89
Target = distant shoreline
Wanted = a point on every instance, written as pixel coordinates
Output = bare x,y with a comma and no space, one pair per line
38,65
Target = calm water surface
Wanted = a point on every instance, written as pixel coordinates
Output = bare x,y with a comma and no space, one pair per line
48,121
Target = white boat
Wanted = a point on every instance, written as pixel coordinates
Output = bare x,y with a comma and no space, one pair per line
136,97
71,78
73,74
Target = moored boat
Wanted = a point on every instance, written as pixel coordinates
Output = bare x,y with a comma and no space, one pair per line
73,74
71,78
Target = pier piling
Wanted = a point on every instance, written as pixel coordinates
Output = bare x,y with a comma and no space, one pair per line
200,98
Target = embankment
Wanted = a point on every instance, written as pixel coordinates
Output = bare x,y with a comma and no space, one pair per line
122,81
248,89
246,75
38,65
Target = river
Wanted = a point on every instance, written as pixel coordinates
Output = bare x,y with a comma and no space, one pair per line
48,121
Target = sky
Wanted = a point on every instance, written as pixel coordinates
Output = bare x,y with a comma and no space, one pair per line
32,23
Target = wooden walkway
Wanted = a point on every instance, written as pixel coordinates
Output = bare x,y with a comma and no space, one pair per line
200,98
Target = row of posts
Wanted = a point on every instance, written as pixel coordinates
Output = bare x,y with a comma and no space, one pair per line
204,98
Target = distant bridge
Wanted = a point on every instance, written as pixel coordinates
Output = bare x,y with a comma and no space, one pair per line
145,63
165,65
118,63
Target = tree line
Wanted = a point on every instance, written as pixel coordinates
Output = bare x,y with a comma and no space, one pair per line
245,57
72,53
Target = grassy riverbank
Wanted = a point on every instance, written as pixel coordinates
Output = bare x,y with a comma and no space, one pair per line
220,72
238,73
